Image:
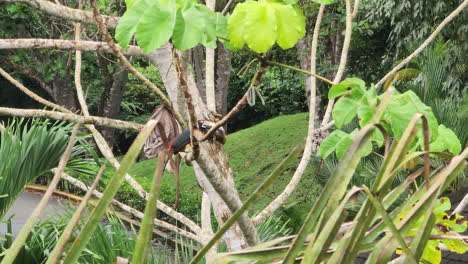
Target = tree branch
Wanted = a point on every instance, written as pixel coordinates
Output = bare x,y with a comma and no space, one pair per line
433,35
66,12
238,107
356,8
461,206
233,202
344,55
313,74
210,69
96,120
77,75
296,178
226,7
190,108
61,44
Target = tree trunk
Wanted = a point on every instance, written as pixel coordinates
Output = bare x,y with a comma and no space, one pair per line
111,100
197,57
303,46
63,91
223,74
233,237
214,160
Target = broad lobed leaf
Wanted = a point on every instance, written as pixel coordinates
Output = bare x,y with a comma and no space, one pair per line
261,24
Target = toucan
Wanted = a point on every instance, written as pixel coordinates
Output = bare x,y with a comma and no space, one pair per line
178,144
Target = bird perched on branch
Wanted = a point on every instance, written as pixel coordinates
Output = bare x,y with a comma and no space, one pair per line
179,143
166,137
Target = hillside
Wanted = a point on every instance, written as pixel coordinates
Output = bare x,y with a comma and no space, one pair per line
253,154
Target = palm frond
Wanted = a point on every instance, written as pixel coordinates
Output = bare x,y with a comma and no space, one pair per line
28,149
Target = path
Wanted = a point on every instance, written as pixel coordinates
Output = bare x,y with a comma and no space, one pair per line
24,206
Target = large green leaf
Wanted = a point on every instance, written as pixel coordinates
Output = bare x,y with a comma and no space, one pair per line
365,113
129,21
260,27
193,26
446,140
344,111
261,24
402,109
324,2
236,24
291,25
343,145
455,245
346,86
329,144
156,25
155,21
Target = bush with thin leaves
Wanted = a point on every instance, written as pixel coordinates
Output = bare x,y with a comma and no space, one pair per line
28,149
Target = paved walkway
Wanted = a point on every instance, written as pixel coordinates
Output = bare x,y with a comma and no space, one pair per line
24,206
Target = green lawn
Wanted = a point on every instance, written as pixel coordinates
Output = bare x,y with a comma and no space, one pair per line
253,154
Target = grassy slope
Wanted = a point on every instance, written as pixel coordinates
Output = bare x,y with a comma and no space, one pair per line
253,153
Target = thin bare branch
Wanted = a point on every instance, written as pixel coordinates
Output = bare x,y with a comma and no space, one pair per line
296,178
206,215
454,236
313,74
96,120
77,75
66,12
238,107
433,35
227,6
344,55
60,44
356,8
210,69
461,206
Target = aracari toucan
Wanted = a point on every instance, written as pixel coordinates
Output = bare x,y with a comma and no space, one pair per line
179,143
